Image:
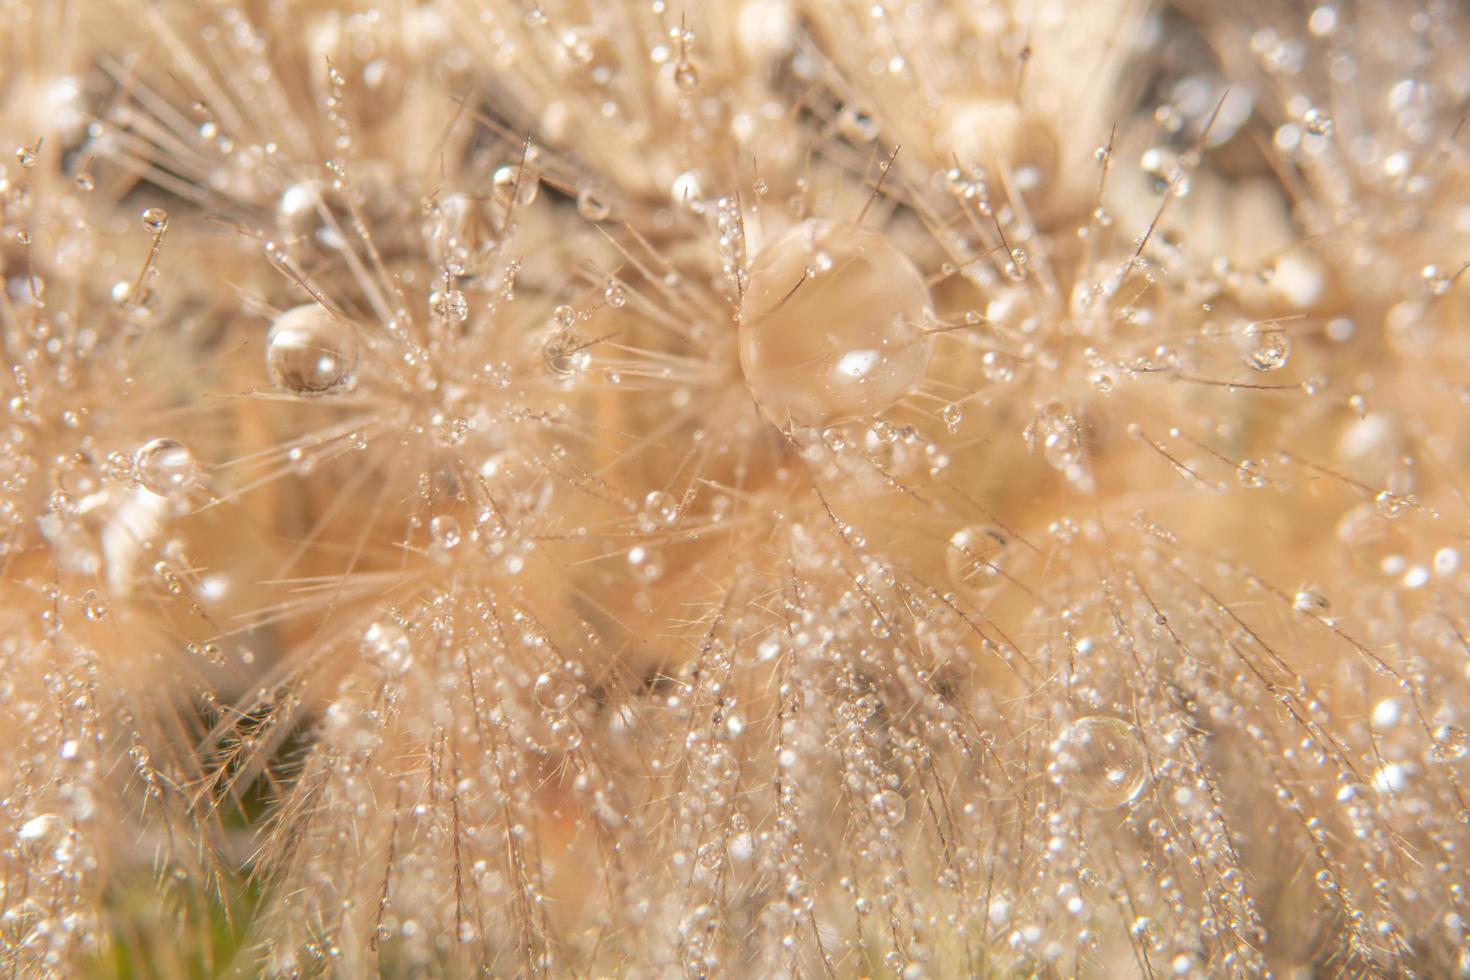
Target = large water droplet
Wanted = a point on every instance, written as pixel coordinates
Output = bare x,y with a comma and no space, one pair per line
387,646
166,467
311,352
155,221
515,185
1267,348
974,557
1056,434
1099,760
834,325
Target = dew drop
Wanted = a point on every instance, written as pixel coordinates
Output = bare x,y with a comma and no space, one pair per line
387,646
444,532
1318,123
848,343
1267,349
311,352
592,205
646,564
660,508
975,557
1056,434
1099,760
890,807
449,305
166,467
94,605
1165,170
1451,744
857,125
39,831
1251,473
155,221
515,185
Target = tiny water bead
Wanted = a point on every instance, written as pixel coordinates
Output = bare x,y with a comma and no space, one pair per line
1099,760
592,204
974,557
515,185
1056,434
835,324
166,467
155,221
310,352
387,647
1267,348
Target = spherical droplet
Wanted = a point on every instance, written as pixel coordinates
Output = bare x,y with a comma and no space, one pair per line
311,352
890,806
444,532
646,564
592,205
1267,349
974,557
660,508
387,646
686,76
166,467
1451,743
155,221
1056,434
834,325
515,184
1099,760
450,305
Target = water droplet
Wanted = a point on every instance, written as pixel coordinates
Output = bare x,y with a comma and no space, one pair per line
873,345
1435,280
592,204
975,557
1099,760
1165,170
890,807
1251,473
686,76
40,831
660,508
565,354
166,467
155,221
387,646
857,125
616,296
444,532
1056,434
646,563
1390,505
1451,744
1267,349
515,185
311,352
1318,123
1310,602
449,305
94,605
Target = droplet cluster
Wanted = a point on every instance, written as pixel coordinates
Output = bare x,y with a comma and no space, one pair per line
772,488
